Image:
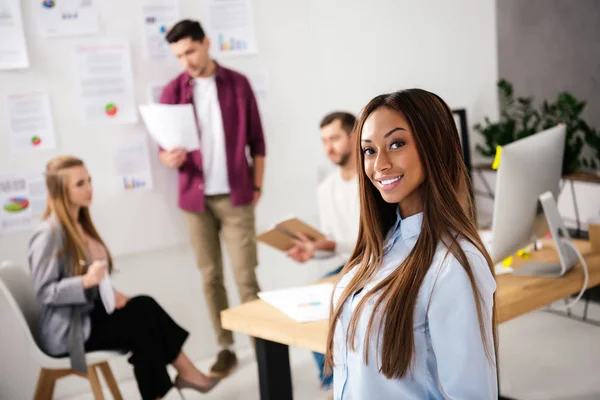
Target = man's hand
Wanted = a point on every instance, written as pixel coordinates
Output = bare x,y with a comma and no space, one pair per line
173,158
256,197
304,248
120,300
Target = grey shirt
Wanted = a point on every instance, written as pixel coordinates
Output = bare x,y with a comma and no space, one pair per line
61,297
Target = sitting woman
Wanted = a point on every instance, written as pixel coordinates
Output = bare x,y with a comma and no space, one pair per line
68,260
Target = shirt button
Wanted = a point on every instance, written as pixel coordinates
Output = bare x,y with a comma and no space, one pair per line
371,302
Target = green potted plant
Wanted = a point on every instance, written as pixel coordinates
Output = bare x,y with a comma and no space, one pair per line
519,118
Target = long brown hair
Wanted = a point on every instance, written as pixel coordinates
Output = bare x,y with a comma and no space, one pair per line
74,244
448,216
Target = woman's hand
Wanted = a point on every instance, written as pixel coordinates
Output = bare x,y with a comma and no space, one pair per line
94,274
120,300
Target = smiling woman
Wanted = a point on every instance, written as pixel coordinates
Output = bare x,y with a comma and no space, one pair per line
418,291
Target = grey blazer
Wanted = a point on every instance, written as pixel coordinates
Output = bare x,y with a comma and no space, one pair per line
64,323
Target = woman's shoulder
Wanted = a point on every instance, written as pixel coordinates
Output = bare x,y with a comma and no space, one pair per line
49,229
447,264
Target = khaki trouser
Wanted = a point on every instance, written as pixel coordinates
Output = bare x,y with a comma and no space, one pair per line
237,228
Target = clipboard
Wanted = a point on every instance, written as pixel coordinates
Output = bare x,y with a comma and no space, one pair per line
283,234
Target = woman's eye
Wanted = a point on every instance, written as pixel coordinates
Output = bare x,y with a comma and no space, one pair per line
368,151
397,144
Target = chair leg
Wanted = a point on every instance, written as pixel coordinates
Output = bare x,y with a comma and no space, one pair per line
45,385
95,382
110,380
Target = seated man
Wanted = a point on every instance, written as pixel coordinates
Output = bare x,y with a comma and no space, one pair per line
339,206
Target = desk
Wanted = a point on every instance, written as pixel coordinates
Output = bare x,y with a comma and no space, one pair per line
274,331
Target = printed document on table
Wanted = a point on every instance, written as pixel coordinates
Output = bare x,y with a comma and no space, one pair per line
302,304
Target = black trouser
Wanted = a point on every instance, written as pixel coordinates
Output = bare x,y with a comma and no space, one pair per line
148,332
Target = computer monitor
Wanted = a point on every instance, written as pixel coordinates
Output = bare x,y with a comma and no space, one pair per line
524,206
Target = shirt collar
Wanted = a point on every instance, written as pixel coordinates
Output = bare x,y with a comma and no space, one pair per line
219,74
405,228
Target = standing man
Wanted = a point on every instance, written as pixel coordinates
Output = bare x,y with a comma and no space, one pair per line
218,186
339,205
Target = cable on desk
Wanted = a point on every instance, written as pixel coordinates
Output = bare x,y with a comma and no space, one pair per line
585,274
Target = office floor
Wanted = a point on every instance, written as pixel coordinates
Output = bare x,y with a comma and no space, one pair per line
542,357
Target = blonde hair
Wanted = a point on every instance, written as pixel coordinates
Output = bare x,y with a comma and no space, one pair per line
74,244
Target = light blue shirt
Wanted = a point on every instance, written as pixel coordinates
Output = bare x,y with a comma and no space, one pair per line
449,360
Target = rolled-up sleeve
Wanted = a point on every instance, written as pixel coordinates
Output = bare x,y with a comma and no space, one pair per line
464,369
256,139
45,264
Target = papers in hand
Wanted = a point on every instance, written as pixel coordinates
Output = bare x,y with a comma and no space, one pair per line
107,294
283,234
171,126
302,304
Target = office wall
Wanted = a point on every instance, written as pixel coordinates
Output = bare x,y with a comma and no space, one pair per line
318,55
549,46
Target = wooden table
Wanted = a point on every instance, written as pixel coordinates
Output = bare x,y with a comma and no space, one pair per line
274,331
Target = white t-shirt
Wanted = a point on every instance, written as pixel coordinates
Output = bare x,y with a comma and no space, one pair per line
339,212
212,136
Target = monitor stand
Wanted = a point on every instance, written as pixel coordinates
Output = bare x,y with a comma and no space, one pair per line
567,256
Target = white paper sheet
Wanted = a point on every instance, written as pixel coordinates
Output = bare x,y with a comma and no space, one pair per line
22,202
105,81
158,17
132,162
230,25
171,126
30,122
107,294
302,304
13,50
67,17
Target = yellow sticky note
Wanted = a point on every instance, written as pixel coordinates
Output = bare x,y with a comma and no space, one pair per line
523,254
496,163
507,262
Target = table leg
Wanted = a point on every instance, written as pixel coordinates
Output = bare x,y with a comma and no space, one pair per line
274,373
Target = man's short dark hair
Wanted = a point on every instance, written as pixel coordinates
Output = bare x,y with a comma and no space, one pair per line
186,29
346,119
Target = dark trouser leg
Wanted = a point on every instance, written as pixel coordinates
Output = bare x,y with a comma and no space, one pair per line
146,330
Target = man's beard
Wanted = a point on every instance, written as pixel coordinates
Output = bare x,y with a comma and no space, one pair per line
344,159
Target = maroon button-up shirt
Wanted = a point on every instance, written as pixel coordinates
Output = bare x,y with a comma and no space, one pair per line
242,127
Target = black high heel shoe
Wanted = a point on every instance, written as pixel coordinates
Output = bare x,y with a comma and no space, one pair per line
181,384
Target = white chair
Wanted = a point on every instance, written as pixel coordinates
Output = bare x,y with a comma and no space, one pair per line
15,284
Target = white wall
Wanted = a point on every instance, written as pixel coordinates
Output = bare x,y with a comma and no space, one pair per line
319,55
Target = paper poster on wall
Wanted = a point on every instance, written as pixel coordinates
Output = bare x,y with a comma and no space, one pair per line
30,122
158,17
105,81
230,26
22,202
13,50
132,162
67,17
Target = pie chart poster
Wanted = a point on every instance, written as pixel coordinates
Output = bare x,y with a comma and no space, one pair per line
22,203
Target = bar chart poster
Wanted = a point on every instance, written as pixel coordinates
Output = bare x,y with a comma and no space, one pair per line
230,25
